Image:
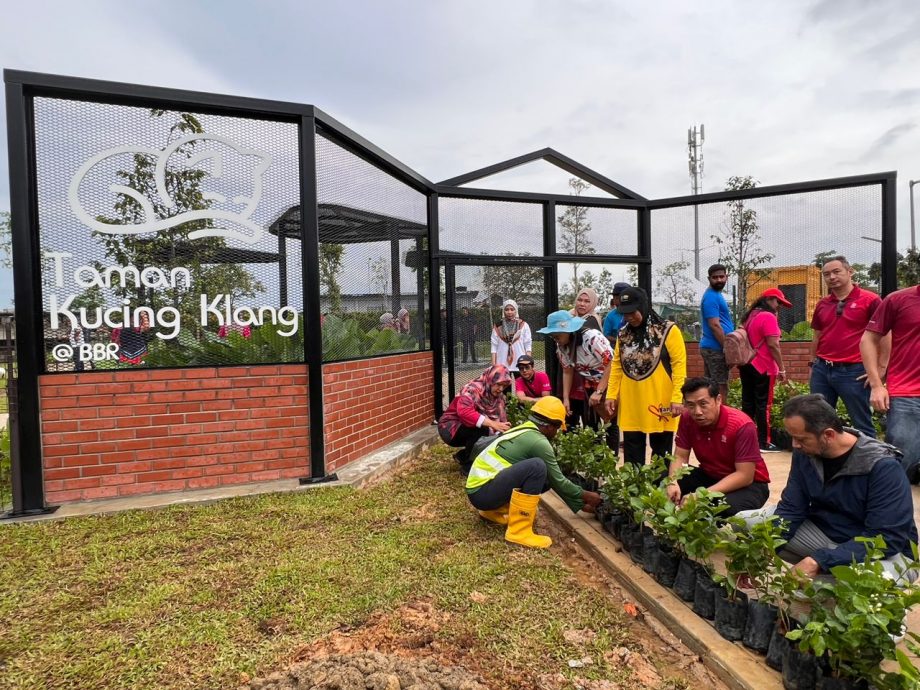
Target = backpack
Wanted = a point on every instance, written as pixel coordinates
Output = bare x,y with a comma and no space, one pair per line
737,348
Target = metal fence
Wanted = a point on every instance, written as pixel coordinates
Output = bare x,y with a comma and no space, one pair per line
155,227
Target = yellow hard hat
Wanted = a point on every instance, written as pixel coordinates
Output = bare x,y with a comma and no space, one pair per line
550,407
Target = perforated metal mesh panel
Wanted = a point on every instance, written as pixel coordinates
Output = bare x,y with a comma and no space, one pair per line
373,257
784,236
477,309
591,230
481,226
158,238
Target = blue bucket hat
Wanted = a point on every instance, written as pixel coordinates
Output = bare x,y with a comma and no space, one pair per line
562,322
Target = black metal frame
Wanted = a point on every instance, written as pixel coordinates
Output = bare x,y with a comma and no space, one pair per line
23,87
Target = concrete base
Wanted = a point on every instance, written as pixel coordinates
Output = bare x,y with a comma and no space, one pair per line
735,665
357,474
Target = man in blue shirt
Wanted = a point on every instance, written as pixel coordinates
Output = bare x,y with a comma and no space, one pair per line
614,319
716,321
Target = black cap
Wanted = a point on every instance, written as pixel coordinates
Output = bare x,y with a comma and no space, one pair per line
619,287
630,300
525,359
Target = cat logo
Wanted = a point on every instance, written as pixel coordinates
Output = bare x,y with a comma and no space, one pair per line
230,212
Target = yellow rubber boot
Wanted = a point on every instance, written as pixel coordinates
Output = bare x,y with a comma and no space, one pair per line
499,515
523,511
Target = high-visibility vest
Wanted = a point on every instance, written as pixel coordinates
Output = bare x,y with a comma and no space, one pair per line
489,463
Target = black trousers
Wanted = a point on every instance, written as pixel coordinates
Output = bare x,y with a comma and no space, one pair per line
756,396
583,413
747,498
662,444
469,348
527,476
465,437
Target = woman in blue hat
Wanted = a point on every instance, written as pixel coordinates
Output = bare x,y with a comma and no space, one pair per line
585,352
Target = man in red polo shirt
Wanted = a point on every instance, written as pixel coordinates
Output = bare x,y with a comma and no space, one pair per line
839,321
724,441
899,394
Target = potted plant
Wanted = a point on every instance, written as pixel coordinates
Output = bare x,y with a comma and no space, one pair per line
854,620
518,411
730,603
665,519
693,529
647,478
767,573
619,485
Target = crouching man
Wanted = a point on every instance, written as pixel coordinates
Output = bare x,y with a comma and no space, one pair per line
724,441
509,475
842,485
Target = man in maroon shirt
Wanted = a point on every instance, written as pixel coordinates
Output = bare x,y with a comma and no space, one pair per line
899,393
839,321
724,441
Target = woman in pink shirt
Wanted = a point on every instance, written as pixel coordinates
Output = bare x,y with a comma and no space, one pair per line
478,410
759,377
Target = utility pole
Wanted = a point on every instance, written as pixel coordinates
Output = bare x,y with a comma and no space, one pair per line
695,138
913,236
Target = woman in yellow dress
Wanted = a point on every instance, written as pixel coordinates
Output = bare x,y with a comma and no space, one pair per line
649,367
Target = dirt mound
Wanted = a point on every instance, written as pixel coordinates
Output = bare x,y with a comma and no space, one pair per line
369,671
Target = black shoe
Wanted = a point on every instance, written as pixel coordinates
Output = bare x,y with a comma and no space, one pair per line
770,448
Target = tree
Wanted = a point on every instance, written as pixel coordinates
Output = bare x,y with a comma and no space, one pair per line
575,231
673,285
908,268
513,282
380,277
169,248
602,283
739,243
6,240
330,264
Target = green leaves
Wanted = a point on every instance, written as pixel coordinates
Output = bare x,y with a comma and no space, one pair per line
584,450
518,411
854,617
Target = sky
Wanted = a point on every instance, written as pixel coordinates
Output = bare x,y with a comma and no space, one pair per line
789,90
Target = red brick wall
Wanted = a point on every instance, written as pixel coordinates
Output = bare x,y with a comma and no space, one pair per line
121,433
370,403
795,358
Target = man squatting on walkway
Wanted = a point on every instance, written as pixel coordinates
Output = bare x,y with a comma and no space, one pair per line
724,441
842,485
509,475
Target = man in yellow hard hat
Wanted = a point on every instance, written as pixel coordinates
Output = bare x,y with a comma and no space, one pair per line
509,475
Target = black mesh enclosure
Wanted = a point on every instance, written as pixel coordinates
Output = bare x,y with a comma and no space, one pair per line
373,253
482,226
479,292
156,230
590,230
773,241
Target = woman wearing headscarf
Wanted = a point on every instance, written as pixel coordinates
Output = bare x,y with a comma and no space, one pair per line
585,305
585,355
387,322
511,337
402,321
649,367
478,410
580,411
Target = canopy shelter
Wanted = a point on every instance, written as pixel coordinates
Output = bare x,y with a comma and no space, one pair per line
339,224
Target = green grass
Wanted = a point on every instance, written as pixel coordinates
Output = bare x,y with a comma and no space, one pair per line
174,598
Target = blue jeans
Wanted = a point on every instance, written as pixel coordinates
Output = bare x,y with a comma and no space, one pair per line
902,431
839,381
